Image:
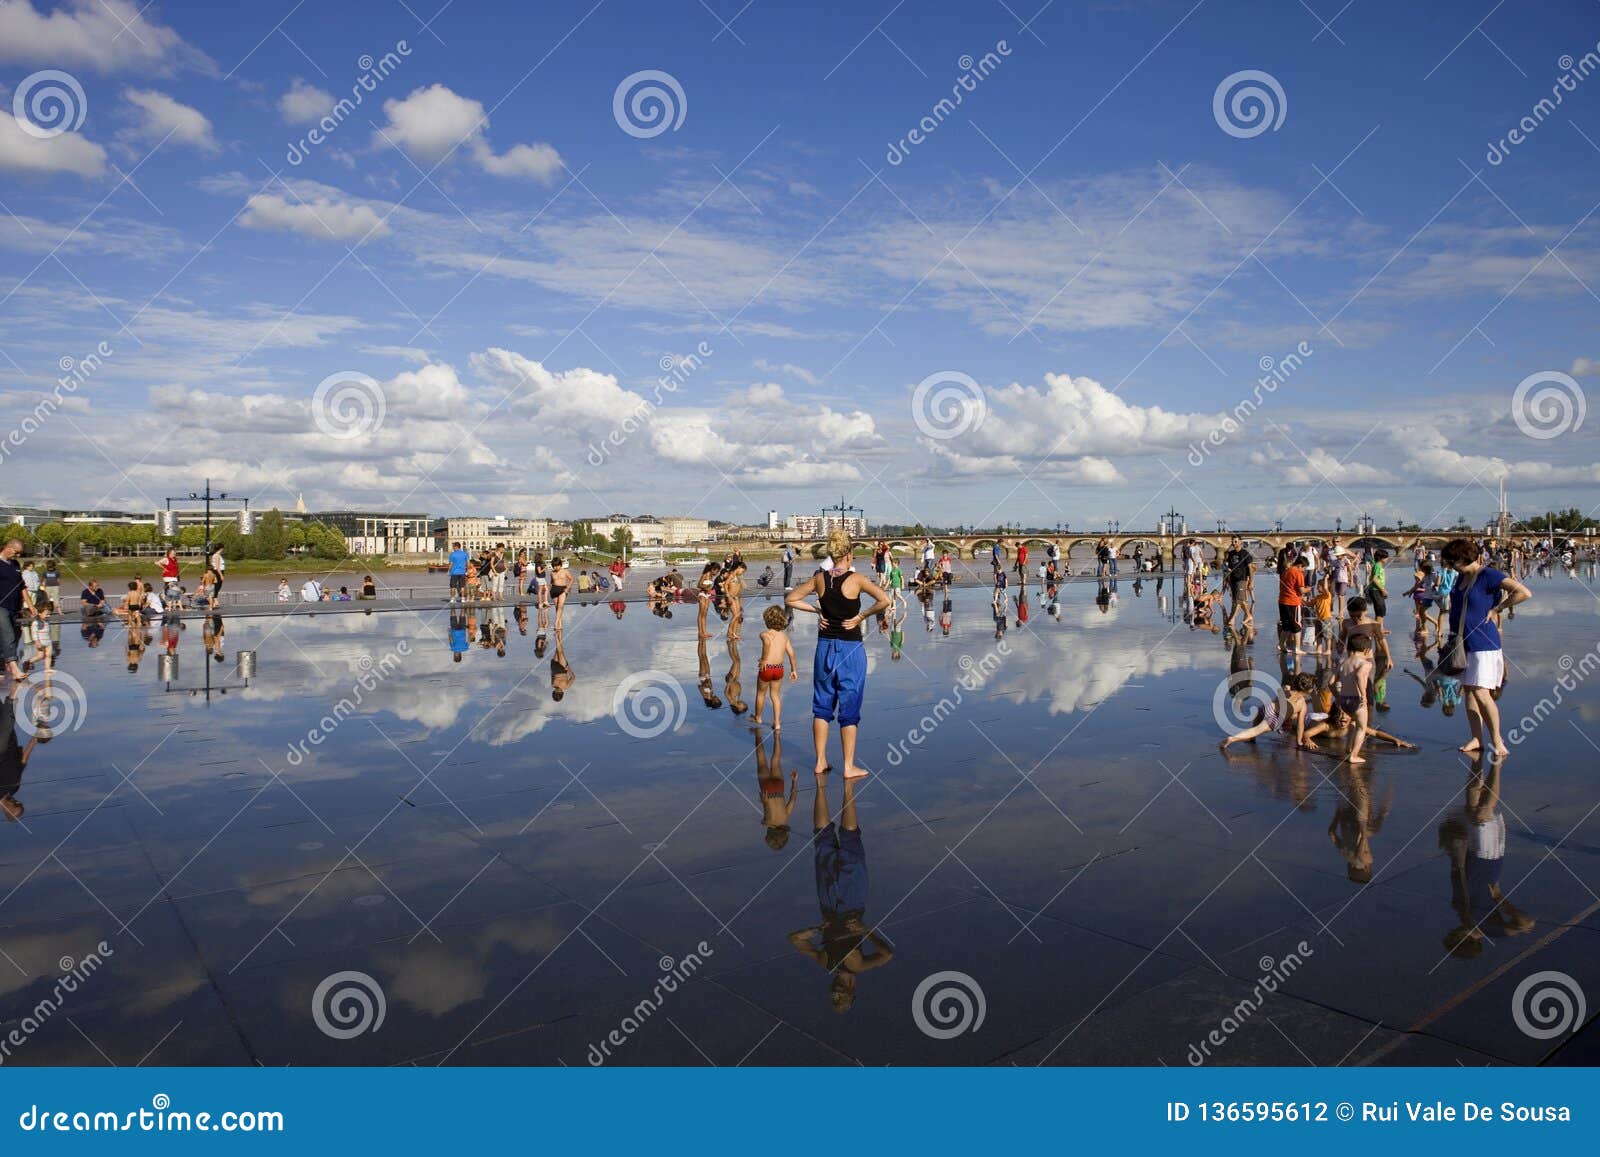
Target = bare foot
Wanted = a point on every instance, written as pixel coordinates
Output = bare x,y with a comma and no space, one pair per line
853,772
1469,747
1356,759
822,771
1502,751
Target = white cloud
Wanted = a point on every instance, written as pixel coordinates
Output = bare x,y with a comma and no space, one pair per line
1585,367
23,152
432,123
788,369
321,220
538,162
304,103
104,35
160,117
1072,417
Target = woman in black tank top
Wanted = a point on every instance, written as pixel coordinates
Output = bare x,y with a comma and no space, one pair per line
839,667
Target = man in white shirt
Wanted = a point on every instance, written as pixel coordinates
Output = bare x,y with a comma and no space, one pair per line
311,591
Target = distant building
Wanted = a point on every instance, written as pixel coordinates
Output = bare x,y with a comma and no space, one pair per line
476,534
773,522
819,525
683,531
644,533
370,532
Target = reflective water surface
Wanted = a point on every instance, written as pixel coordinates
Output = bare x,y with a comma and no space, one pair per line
444,836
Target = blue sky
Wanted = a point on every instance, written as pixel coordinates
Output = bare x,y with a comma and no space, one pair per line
1088,264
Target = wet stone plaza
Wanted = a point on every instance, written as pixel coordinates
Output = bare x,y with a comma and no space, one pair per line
426,836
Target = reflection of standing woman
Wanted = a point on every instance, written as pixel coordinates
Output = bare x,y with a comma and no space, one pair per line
1474,837
839,668
13,757
1480,596
841,870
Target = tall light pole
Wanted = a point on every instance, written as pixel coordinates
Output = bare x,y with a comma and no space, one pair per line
208,498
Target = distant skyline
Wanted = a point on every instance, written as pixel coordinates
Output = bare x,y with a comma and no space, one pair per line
958,263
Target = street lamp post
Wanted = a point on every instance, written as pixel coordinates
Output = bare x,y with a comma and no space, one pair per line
208,498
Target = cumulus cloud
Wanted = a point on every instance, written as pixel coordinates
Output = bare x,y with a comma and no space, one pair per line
22,152
433,123
1585,367
1075,417
103,35
304,102
318,219
159,117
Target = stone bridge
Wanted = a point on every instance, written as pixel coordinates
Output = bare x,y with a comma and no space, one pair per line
1162,546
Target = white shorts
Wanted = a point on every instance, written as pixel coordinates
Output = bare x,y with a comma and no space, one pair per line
1485,669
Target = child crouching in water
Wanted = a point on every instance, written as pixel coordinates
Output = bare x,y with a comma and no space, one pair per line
775,650
1288,713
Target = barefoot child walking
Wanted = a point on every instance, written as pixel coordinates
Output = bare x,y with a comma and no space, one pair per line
775,651
1355,672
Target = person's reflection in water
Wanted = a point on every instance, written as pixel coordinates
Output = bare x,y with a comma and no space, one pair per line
707,691
458,634
775,810
561,676
1474,837
521,615
842,939
212,634
1355,821
733,685
137,642
13,755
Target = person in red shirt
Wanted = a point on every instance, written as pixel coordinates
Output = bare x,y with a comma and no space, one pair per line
618,569
1022,564
1291,599
169,569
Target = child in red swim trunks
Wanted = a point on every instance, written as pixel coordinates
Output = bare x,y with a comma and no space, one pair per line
775,650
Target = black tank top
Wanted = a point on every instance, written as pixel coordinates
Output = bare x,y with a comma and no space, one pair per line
836,607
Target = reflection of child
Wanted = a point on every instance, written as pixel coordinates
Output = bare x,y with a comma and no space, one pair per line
775,809
775,650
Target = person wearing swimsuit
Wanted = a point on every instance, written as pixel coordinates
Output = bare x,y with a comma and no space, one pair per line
560,584
839,667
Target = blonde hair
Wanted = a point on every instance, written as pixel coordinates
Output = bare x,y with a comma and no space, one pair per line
838,543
